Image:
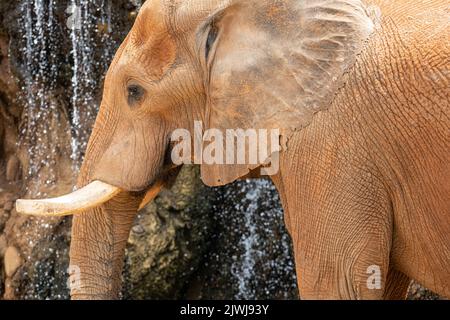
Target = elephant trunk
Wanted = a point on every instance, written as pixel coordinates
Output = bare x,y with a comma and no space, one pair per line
97,248
103,216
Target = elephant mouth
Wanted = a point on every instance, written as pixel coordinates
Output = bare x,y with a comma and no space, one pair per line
92,195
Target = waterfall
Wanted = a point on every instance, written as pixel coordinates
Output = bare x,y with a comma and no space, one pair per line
41,72
243,269
85,23
94,19
65,47
108,45
252,248
84,82
261,217
137,3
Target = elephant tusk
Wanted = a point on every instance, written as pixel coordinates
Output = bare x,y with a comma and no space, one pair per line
88,197
151,193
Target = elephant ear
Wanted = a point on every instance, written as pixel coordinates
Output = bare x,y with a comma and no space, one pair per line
276,63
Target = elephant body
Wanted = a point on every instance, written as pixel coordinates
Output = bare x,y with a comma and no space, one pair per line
371,182
360,93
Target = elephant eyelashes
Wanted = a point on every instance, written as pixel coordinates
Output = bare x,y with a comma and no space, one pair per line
212,36
135,93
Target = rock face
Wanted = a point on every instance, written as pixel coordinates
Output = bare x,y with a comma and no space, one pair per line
250,254
168,240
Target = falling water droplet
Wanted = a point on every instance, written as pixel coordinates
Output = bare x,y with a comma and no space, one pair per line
38,23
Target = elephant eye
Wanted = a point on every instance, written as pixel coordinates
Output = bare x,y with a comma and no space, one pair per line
212,36
135,93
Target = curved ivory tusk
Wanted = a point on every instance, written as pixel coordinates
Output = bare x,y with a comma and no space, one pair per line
88,197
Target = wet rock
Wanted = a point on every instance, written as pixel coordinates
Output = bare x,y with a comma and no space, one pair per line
4,216
2,245
168,240
45,244
6,197
8,206
250,254
138,229
13,169
418,292
2,280
12,261
9,290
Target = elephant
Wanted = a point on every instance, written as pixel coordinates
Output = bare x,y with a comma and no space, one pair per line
359,91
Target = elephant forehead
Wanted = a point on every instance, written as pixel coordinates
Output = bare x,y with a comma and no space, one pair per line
149,47
186,14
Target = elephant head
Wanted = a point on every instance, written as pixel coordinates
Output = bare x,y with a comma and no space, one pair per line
227,63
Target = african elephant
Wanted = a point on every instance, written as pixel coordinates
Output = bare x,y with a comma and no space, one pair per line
360,93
